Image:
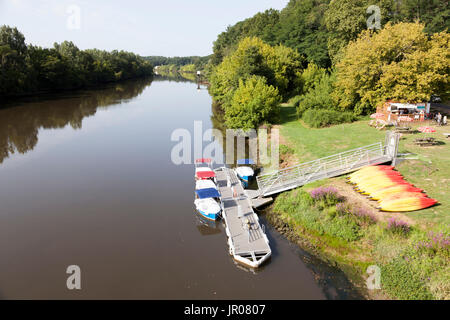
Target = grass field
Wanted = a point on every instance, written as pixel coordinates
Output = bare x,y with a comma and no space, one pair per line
415,264
426,167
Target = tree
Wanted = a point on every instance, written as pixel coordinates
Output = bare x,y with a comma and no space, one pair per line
399,62
301,27
280,66
13,51
435,14
346,19
319,96
28,69
253,103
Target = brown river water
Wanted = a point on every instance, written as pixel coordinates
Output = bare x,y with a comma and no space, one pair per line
86,179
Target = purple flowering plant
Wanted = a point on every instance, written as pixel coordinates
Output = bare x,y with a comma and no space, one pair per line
398,226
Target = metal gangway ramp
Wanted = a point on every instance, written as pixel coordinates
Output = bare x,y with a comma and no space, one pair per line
331,166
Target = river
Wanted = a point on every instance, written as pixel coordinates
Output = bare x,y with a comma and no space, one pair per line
86,179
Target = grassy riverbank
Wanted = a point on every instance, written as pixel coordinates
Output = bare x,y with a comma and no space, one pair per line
347,229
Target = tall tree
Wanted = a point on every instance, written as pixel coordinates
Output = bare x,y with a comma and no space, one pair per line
399,62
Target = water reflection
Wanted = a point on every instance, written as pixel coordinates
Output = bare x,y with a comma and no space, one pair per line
20,121
207,227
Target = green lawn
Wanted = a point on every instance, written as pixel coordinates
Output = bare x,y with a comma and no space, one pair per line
426,167
408,271
310,144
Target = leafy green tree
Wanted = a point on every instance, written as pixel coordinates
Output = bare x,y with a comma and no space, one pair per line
28,69
311,76
346,19
253,102
280,66
435,14
13,52
399,62
319,95
301,27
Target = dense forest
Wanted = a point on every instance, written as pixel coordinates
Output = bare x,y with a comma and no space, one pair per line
322,57
27,69
198,62
174,67
319,29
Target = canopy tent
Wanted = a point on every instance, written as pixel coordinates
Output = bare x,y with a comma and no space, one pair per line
245,161
203,160
207,193
404,105
426,129
205,174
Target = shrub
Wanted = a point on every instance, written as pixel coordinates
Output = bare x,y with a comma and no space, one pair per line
399,280
318,118
364,216
436,243
284,150
329,196
318,96
342,227
312,76
398,226
343,208
295,101
253,103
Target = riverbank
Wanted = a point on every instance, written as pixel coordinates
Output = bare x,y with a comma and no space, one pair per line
414,260
47,93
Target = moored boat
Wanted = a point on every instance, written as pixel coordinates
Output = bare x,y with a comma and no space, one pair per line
207,203
244,171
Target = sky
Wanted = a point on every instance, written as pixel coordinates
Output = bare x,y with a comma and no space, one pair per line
146,27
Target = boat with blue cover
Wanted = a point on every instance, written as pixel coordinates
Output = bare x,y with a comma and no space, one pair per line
207,197
208,204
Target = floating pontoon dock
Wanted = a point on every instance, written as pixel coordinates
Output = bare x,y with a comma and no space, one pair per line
247,240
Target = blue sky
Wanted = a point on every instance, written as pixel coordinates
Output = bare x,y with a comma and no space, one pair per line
163,27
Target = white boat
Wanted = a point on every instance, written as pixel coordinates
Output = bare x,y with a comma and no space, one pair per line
208,203
205,184
203,171
245,173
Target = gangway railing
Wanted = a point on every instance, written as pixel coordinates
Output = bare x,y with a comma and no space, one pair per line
326,167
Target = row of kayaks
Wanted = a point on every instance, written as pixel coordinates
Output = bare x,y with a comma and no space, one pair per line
388,187
208,200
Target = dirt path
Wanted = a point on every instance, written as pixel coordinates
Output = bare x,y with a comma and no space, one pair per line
359,200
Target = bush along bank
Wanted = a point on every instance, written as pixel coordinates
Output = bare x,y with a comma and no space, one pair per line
414,263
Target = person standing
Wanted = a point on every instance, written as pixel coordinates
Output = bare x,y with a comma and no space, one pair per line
439,118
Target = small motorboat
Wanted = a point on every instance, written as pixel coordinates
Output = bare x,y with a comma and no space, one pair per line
244,171
207,203
203,171
205,184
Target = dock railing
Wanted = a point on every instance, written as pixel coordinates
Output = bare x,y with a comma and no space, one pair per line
326,167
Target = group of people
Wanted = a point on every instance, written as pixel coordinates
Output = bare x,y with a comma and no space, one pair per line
441,120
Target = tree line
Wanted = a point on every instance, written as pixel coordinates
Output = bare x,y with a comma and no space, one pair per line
319,29
27,69
321,57
198,62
